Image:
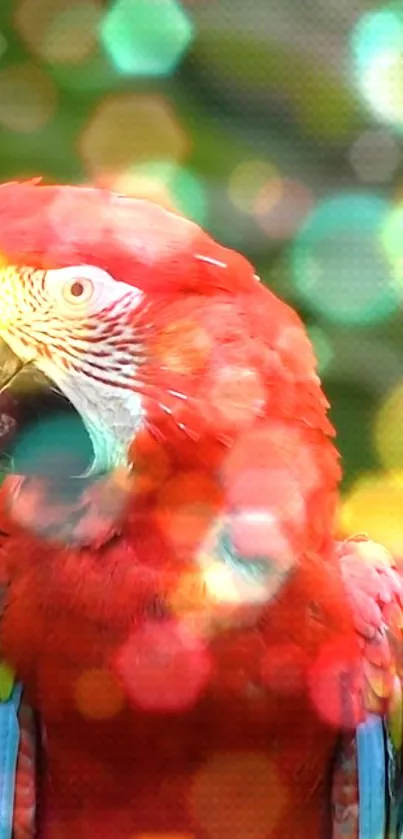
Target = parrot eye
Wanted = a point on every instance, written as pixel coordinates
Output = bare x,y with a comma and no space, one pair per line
78,286
79,290
83,290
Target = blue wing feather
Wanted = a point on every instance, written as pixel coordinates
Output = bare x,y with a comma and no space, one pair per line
367,797
372,777
9,743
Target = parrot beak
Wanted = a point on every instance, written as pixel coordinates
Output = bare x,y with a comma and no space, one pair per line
41,433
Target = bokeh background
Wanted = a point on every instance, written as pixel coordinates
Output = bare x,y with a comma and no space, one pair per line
278,127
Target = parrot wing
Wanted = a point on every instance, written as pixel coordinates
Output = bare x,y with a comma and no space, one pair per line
367,789
20,732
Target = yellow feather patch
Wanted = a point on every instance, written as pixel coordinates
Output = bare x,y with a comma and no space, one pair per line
6,681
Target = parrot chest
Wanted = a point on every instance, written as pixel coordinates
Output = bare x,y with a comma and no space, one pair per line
232,759
221,770
240,761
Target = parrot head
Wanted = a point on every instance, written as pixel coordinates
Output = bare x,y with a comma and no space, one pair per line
75,268
100,297
110,305
118,317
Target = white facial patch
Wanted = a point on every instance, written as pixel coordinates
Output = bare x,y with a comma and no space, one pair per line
77,325
97,290
111,414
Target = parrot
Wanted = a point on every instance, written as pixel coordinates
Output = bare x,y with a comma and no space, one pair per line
188,650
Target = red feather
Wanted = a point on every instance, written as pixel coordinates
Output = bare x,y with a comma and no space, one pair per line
138,241
90,629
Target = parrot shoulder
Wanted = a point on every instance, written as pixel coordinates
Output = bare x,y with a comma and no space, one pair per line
374,590
368,771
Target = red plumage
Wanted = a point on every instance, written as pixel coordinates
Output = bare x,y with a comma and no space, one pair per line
49,226
97,632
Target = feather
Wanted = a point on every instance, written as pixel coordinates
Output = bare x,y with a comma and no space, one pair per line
58,226
9,739
243,480
371,778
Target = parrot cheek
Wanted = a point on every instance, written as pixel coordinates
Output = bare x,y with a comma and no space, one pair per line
41,433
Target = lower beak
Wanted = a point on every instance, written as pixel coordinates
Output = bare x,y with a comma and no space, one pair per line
41,433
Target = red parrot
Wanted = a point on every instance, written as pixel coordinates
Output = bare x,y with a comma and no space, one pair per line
203,659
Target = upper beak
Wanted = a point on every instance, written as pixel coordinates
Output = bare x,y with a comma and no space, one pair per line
41,433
